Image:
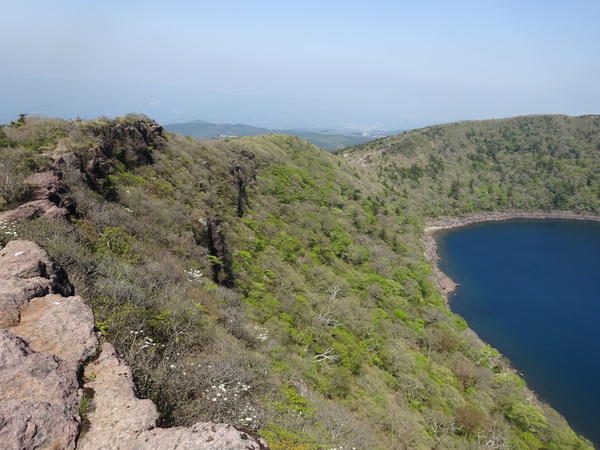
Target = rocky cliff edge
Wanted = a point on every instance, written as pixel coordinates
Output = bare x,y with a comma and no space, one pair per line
48,347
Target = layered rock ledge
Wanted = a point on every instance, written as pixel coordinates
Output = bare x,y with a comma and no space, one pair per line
47,339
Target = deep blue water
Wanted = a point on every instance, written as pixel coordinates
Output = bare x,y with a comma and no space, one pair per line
531,289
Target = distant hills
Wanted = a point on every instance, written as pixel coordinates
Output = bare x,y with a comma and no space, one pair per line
327,139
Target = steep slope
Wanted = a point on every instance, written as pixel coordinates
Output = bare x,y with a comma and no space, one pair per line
49,342
268,284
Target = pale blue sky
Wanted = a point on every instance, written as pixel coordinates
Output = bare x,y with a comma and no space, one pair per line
330,63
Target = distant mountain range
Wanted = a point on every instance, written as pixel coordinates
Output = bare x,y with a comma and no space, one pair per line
327,139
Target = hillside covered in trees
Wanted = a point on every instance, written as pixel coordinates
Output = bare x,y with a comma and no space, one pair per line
266,283
531,163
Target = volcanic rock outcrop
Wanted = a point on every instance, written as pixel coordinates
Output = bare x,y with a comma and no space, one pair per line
119,418
47,338
49,198
48,333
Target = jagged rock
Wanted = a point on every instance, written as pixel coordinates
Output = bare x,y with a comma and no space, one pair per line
117,414
35,209
96,166
201,436
69,165
121,420
39,398
217,247
25,259
50,337
39,391
63,326
15,293
26,272
50,198
131,144
47,186
41,354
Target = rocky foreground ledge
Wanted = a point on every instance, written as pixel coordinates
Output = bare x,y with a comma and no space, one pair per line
47,341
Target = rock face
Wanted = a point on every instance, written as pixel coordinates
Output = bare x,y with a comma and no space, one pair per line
46,337
49,198
62,326
119,419
26,272
39,397
131,144
49,335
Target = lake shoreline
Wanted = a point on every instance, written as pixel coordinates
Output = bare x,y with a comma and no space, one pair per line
444,283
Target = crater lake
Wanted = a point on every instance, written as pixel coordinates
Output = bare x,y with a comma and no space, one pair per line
531,289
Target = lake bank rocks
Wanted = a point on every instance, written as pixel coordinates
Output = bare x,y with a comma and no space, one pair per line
47,339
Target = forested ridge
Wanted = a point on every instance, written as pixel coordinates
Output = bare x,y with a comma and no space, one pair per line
530,163
266,283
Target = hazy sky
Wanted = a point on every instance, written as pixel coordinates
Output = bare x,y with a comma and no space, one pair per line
387,63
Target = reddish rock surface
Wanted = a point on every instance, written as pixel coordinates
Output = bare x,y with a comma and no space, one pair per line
39,398
26,272
49,198
46,337
119,419
63,326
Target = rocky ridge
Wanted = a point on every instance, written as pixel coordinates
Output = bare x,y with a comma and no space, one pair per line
53,369
47,337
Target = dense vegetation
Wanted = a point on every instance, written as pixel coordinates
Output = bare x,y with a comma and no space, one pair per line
526,163
264,282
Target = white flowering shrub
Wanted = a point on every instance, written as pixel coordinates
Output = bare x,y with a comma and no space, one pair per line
262,333
8,232
194,275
